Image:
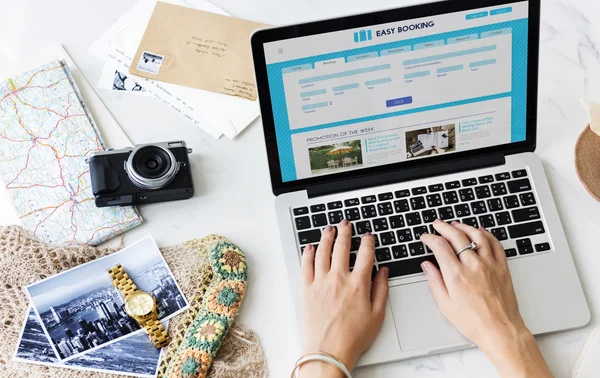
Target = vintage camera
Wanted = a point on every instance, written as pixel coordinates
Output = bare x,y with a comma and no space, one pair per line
143,174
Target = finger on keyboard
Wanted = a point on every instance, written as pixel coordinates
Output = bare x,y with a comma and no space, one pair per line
365,257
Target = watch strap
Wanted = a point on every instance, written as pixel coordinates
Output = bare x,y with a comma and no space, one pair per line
122,281
157,333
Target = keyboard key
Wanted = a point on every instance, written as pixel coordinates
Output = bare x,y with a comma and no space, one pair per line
487,220
376,240
529,213
304,247
397,221
401,206
521,185
319,220
502,176
404,235
416,249
407,267
301,211
542,247
302,223
527,199
352,214
523,242
433,231
503,218
380,224
383,254
495,204
486,179
385,208
413,219
363,227
478,207
355,243
469,182
499,189
511,202
434,200
471,222
317,208
450,197
387,238
452,185
466,194
435,188
428,216
352,202
419,190
402,193
511,252
368,199
526,229
335,217
483,192
446,213
500,233
352,260
417,203
312,236
385,196
519,173
368,211
334,205
525,250
462,210
420,230
399,251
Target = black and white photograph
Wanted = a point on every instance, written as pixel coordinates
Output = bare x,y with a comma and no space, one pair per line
133,356
123,82
80,310
150,62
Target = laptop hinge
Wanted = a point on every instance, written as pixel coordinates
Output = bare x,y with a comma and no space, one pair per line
403,175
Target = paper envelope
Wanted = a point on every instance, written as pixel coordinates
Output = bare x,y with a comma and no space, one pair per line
197,49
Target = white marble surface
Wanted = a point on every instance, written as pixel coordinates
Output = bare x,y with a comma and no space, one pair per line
233,192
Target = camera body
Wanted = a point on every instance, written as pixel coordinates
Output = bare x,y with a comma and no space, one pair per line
145,173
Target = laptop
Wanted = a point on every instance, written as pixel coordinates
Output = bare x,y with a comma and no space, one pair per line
395,118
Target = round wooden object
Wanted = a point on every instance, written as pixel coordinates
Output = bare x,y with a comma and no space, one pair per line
587,161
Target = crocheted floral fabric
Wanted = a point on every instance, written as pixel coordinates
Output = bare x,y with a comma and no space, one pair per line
223,291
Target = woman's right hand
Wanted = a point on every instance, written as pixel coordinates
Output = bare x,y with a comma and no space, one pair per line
475,292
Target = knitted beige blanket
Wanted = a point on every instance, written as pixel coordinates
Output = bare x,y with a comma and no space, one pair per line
25,260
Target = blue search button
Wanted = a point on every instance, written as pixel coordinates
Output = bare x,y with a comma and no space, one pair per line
398,101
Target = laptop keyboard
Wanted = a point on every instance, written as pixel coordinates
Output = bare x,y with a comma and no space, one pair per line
503,203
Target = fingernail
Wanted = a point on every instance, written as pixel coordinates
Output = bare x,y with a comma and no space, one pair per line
344,222
309,247
425,267
437,220
328,228
455,222
367,233
483,228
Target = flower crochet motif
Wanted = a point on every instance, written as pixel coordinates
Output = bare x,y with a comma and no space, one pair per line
219,306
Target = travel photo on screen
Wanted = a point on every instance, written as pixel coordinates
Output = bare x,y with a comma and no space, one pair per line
430,141
333,158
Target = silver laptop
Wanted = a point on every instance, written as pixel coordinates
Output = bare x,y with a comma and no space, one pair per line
396,118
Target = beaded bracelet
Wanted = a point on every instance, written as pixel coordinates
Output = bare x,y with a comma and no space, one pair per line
320,356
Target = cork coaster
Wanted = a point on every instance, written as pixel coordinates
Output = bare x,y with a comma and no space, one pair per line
587,161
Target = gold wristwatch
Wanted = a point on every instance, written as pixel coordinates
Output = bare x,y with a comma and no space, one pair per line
141,306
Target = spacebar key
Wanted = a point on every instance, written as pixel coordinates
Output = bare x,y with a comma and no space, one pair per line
408,266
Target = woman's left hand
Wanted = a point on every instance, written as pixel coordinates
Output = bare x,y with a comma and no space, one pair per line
342,311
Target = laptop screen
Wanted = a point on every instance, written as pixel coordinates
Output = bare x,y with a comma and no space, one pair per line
400,91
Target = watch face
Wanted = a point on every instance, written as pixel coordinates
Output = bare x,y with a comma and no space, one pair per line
139,304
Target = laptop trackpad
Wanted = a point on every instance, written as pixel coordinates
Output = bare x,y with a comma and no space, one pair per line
419,322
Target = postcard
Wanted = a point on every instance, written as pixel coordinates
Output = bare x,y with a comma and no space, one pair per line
80,310
197,49
134,356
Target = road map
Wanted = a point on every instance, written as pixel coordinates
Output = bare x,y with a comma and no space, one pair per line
45,137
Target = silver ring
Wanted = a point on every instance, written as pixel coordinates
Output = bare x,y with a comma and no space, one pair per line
148,183
473,247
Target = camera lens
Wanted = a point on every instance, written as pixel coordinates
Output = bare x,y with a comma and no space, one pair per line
152,167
